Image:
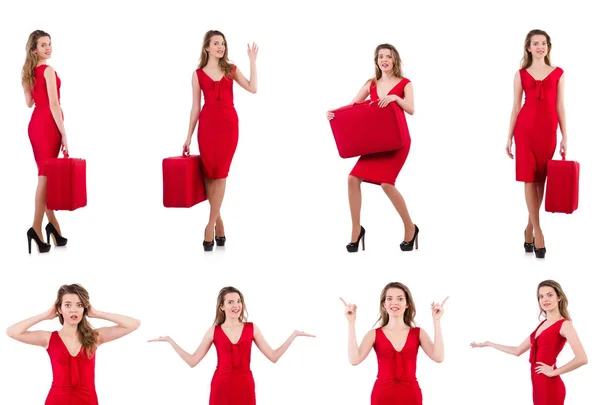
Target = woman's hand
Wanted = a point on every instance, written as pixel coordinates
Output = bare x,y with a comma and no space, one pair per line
545,369
186,145
161,339
350,311
390,98
253,52
51,313
477,345
437,310
330,115
64,145
91,312
563,146
301,333
508,148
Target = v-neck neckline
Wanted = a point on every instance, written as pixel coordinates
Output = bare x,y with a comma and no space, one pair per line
240,338
537,80
67,348
389,91
207,75
547,327
391,344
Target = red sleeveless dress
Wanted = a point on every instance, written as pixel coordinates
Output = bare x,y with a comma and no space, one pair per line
43,133
72,377
396,382
545,349
536,125
217,125
233,383
384,167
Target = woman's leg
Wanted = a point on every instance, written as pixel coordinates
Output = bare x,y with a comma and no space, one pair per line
220,231
215,194
529,229
533,197
40,206
398,201
355,201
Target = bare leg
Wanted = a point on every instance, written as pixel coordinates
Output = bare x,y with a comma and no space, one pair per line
220,231
529,229
400,205
355,201
40,206
533,200
215,199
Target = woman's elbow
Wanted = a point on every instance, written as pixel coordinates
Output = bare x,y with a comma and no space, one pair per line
439,359
584,360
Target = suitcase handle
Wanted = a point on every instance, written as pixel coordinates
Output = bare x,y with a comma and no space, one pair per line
564,155
65,154
186,152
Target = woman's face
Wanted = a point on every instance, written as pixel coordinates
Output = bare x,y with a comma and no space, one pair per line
232,305
548,299
385,61
538,46
395,302
71,309
44,48
216,46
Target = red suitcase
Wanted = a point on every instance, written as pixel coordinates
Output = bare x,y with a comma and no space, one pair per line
364,128
66,183
562,186
183,184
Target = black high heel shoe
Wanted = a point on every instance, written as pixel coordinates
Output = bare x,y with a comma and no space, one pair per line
529,246
407,246
540,253
208,245
58,239
42,247
220,239
353,246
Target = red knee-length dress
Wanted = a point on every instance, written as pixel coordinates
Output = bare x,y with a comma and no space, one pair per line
233,383
396,382
536,125
384,167
43,133
72,377
217,125
545,349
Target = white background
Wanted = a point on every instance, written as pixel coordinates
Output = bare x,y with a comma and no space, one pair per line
126,94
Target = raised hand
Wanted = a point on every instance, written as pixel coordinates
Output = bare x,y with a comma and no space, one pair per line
477,345
301,333
350,310
252,52
161,339
384,101
545,369
51,313
330,115
437,310
91,312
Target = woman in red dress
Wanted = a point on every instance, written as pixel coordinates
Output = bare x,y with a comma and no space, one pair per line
232,336
72,350
396,343
217,123
534,126
388,86
545,343
46,130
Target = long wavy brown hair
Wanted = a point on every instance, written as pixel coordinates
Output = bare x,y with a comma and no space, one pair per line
31,59
396,69
220,316
224,63
527,56
88,337
409,312
562,304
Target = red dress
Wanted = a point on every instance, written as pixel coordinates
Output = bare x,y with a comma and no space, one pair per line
233,383
379,168
396,382
217,125
545,349
72,377
535,128
43,133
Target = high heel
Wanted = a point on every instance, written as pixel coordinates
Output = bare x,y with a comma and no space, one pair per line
529,246
220,239
58,239
540,253
42,247
353,246
407,246
208,245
